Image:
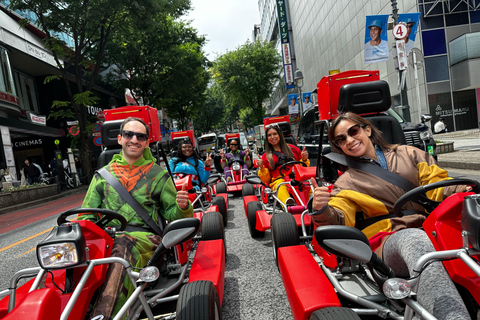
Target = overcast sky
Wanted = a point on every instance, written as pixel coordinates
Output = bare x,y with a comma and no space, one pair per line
226,24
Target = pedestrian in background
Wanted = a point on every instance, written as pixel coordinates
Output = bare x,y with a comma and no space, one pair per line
440,126
78,166
31,172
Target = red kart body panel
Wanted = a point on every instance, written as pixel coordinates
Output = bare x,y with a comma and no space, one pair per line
225,197
329,87
100,246
147,114
329,259
309,289
246,200
263,220
209,264
182,251
38,305
235,186
445,221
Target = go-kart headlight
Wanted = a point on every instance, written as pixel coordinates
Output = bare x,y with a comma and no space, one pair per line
236,167
58,255
149,274
396,288
426,135
64,247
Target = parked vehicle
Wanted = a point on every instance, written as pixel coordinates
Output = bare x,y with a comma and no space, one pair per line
259,138
207,144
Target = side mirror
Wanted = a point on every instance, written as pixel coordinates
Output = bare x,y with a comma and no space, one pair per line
213,178
179,231
425,118
254,179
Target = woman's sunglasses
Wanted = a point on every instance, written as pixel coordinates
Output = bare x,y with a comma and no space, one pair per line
141,137
353,131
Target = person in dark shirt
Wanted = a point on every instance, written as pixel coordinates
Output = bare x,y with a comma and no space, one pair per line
31,172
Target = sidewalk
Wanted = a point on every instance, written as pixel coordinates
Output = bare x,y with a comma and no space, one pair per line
468,157
78,190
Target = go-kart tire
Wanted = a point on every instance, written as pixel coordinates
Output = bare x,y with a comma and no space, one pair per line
334,313
212,226
284,232
221,187
198,300
222,208
248,190
252,208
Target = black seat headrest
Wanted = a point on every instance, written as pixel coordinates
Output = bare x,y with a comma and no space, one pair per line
365,97
110,132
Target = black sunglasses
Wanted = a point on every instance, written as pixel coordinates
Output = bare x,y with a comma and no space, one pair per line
141,137
353,131
233,144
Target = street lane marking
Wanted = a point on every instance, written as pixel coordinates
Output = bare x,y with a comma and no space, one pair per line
24,240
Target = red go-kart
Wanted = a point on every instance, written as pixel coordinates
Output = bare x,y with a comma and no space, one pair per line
75,256
261,209
341,277
208,199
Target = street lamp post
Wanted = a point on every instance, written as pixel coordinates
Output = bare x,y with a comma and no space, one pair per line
299,84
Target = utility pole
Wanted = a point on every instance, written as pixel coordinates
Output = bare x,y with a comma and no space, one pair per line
401,73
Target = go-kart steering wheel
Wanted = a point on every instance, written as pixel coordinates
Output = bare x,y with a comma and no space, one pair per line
418,195
107,216
285,167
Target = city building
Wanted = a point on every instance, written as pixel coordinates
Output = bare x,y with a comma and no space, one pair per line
25,100
330,35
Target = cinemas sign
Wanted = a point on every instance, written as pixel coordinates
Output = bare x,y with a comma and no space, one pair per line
27,144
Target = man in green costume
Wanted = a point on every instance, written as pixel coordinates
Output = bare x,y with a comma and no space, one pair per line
153,188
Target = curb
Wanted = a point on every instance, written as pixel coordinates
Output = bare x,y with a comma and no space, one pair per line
78,190
459,165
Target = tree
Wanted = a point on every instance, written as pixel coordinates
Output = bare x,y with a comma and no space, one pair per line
210,115
162,62
248,74
89,25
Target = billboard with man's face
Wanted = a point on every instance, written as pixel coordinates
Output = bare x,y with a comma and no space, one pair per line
293,107
376,40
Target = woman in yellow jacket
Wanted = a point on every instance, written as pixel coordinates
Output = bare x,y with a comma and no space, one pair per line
277,153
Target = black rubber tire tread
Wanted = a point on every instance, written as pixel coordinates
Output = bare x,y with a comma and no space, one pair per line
221,187
212,226
198,300
334,313
248,190
222,208
284,232
252,208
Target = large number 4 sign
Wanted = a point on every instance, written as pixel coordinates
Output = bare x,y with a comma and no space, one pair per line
400,31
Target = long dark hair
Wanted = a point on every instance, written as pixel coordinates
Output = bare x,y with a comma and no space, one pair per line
181,157
375,137
283,145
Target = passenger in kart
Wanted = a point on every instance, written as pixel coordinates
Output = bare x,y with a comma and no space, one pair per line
188,161
235,154
277,153
359,198
153,188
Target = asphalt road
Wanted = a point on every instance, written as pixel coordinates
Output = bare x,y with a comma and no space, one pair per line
253,286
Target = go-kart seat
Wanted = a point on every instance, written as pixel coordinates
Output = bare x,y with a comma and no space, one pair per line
110,132
370,100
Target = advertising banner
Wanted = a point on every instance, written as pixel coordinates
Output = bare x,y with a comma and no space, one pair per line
411,21
307,101
285,38
376,40
293,107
